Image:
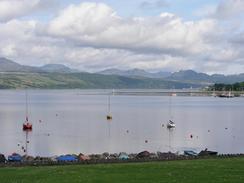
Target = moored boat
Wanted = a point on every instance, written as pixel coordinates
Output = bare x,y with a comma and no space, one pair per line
190,153
206,152
226,95
14,158
27,126
171,124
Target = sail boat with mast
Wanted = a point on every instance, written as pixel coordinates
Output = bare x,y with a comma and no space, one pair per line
109,119
27,126
170,124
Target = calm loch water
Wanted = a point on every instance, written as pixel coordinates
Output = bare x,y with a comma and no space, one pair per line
74,121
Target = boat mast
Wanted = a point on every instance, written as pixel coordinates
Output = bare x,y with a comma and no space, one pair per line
170,106
109,104
109,116
170,128
26,105
27,119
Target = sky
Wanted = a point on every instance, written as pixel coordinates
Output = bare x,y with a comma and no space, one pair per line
154,35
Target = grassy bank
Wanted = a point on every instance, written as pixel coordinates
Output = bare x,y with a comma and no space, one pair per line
195,171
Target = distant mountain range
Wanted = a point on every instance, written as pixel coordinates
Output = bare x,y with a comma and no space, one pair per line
58,68
192,76
7,65
10,66
182,76
14,75
135,72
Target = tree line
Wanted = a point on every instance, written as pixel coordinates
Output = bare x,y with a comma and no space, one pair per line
227,87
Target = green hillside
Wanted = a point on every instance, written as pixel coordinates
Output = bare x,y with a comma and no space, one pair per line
83,81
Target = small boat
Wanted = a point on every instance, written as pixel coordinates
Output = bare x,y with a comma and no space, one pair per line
15,158
206,152
123,156
171,124
143,154
109,117
67,158
190,153
226,95
27,126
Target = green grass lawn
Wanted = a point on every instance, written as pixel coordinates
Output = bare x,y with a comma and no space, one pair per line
195,171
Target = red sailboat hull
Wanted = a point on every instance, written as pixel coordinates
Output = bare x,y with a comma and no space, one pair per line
27,127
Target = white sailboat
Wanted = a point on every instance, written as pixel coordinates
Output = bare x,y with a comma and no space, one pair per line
170,124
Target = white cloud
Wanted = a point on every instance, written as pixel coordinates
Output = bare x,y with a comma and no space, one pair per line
10,9
86,18
92,36
225,10
229,8
97,25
